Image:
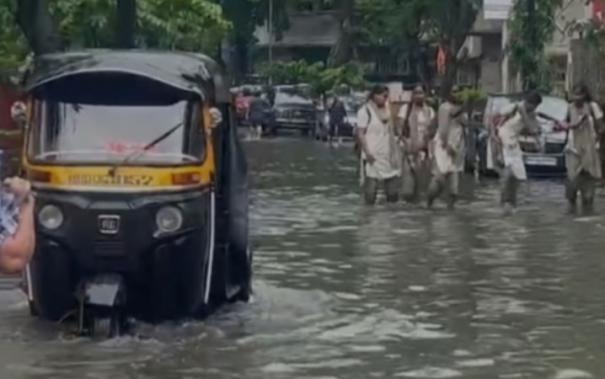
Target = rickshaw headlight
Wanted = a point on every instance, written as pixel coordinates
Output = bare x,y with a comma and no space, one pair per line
50,217
169,219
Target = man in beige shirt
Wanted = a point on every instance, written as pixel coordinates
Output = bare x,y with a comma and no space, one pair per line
417,124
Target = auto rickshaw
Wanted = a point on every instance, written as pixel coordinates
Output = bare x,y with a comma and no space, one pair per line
141,187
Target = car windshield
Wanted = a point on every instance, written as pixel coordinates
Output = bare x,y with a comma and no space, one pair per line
552,106
89,134
500,103
292,98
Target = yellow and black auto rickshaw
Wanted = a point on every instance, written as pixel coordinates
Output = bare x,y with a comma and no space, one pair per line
141,186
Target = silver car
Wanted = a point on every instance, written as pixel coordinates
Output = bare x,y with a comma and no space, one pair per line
543,155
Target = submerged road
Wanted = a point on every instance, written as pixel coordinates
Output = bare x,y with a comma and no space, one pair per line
345,291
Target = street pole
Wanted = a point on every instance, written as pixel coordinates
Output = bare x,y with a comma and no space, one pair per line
270,29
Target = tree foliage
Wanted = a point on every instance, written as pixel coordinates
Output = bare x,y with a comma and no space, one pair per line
392,23
195,25
13,47
403,26
320,78
531,28
449,24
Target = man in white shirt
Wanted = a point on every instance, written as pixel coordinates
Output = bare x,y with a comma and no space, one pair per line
380,153
519,118
449,151
416,121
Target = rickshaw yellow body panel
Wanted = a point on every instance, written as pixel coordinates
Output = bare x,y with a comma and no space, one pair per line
125,178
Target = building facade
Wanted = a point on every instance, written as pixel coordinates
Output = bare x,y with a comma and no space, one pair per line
314,29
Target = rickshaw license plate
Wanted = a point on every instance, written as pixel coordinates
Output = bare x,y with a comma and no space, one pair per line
109,224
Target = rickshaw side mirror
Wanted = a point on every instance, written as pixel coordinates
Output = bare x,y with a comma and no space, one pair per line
19,113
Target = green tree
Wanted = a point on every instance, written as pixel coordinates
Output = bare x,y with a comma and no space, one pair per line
342,51
13,47
449,23
246,16
320,78
531,28
398,26
196,25
35,20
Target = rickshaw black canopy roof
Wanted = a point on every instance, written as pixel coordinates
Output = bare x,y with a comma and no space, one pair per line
187,74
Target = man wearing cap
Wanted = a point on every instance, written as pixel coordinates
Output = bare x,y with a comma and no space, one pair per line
17,232
416,122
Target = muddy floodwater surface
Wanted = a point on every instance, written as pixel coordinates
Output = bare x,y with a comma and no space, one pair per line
346,291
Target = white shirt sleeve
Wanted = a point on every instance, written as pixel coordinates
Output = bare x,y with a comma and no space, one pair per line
403,111
363,120
506,109
596,110
432,114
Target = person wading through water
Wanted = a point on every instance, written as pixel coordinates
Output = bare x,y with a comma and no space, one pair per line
517,119
449,151
584,118
257,112
416,124
337,114
380,152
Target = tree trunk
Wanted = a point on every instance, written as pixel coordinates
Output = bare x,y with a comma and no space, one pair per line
457,24
417,60
34,19
341,52
126,16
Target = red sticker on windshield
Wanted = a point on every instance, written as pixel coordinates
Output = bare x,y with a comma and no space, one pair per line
119,147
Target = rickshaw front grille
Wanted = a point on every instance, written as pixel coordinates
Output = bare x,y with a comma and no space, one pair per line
109,248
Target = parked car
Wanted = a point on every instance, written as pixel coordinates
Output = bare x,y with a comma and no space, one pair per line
295,109
543,155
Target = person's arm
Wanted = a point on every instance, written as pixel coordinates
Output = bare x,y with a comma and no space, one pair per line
597,114
362,127
443,124
17,250
433,124
546,117
401,121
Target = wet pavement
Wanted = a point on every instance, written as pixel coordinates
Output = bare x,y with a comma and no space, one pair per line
346,291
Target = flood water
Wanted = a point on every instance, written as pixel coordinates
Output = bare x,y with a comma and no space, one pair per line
346,291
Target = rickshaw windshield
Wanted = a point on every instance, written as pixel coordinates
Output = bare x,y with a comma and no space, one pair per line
106,134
